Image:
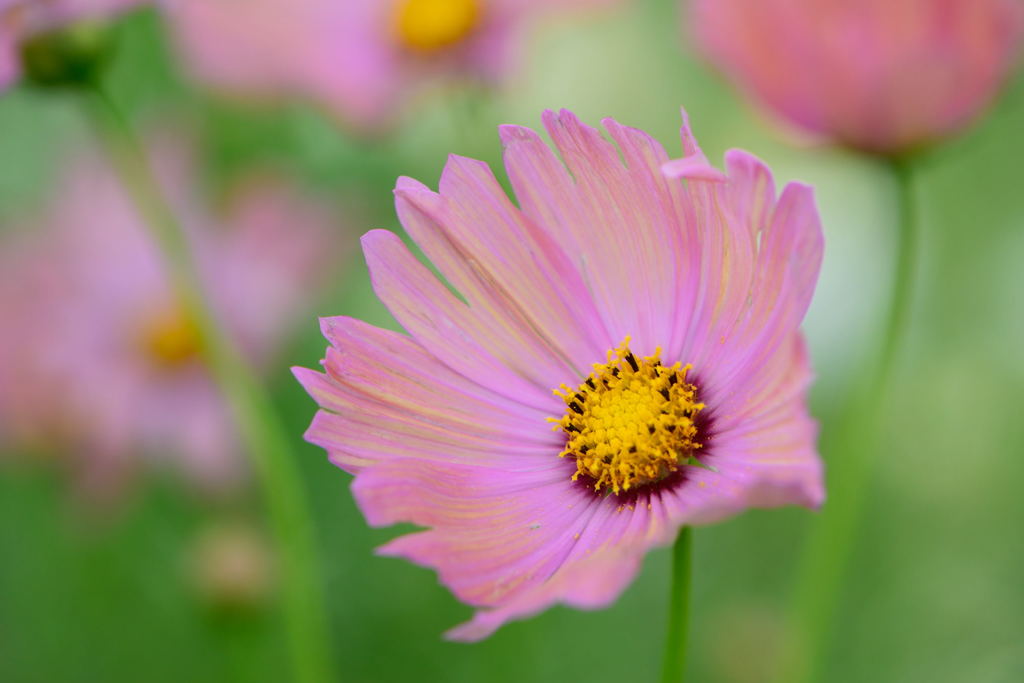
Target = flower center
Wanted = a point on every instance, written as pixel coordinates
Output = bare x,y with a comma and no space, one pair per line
631,422
432,25
170,339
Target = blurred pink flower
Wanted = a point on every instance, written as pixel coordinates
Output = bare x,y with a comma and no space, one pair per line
20,19
98,356
883,76
359,59
611,275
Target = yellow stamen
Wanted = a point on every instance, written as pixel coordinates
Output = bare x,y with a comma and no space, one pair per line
432,25
631,422
171,338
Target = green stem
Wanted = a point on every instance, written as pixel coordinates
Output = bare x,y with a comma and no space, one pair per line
851,451
674,663
261,431
905,257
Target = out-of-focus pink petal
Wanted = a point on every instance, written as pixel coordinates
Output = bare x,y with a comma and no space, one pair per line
276,246
9,67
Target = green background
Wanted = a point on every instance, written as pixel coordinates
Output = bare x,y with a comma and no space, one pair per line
935,590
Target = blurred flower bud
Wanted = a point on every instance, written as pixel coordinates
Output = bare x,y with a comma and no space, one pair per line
880,76
72,56
747,643
56,42
231,566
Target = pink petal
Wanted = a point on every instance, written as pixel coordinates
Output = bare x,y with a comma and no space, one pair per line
789,259
760,261
621,252
10,69
450,330
695,167
764,441
592,583
516,266
380,364
380,401
603,561
512,541
496,532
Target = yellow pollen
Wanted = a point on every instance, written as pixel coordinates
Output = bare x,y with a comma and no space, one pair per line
171,338
432,25
631,422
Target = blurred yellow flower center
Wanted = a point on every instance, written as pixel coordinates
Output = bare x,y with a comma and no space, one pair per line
171,338
432,25
631,422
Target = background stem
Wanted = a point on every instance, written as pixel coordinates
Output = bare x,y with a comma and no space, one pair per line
674,666
262,434
851,450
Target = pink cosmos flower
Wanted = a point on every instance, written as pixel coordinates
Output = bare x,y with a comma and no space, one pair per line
623,357
102,359
878,75
359,59
20,19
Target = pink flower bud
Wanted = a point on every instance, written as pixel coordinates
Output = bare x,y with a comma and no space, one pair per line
881,76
